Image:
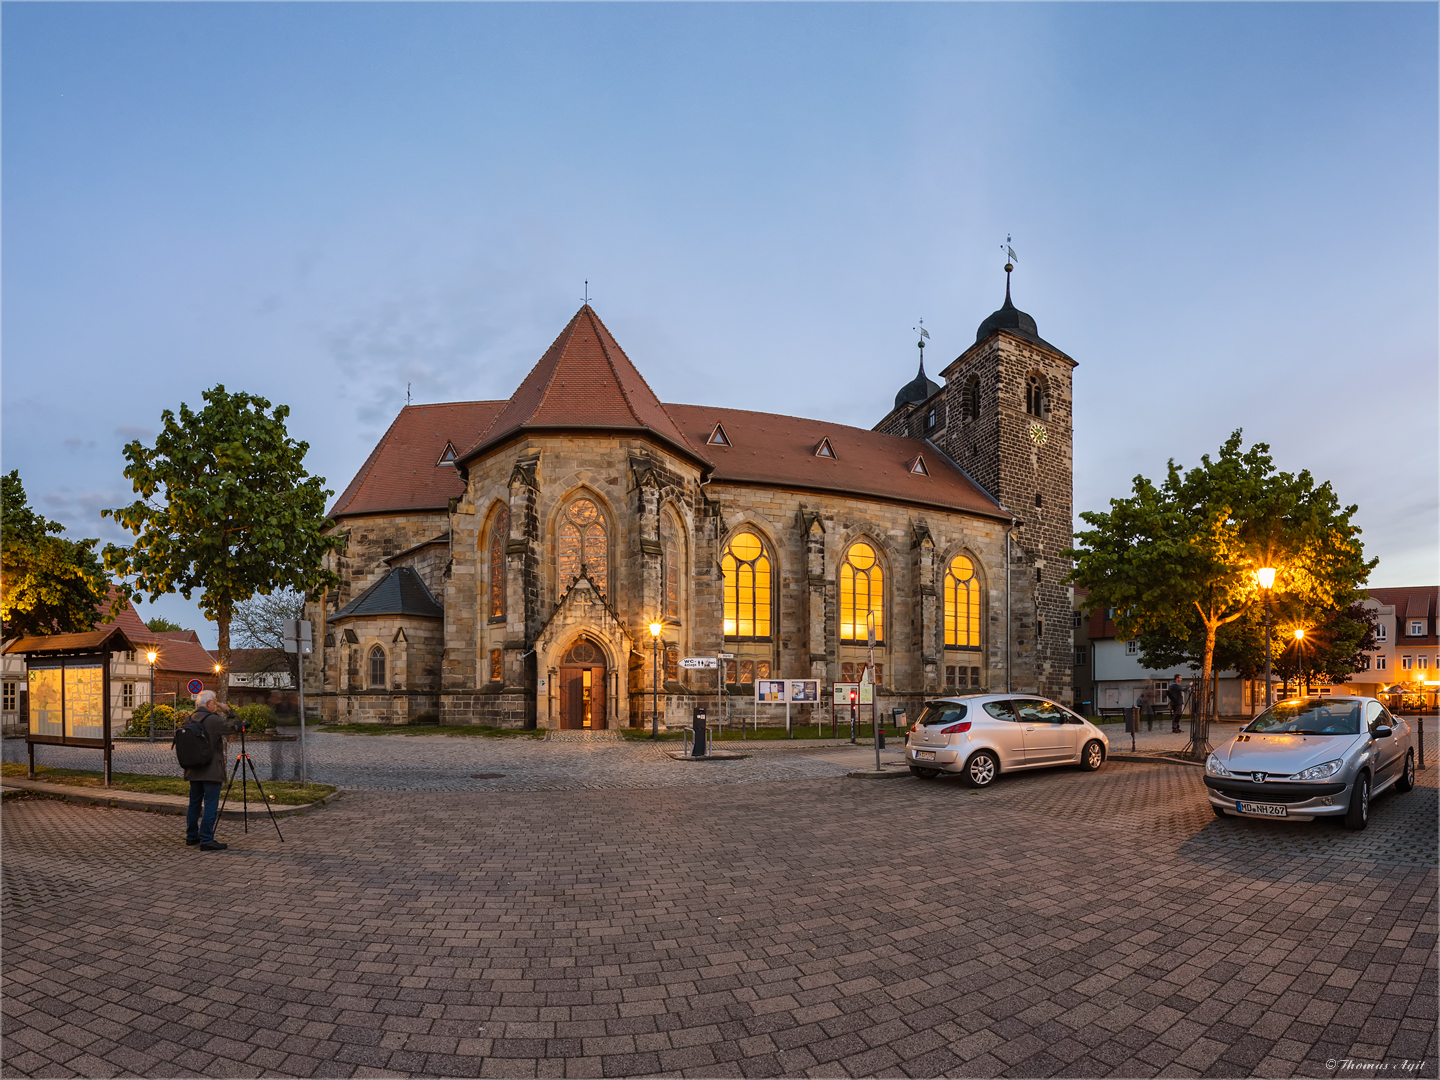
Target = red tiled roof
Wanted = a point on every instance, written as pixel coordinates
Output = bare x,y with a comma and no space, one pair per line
178,650
584,380
401,474
779,451
1423,598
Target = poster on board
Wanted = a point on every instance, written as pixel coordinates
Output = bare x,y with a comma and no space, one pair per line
770,691
805,690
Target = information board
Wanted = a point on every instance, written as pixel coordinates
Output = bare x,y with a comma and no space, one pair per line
842,692
770,691
804,690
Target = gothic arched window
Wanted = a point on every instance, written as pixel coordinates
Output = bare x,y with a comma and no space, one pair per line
499,537
862,593
377,668
962,604
1035,402
970,399
583,544
670,567
747,588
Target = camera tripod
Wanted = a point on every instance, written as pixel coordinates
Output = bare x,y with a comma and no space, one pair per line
242,763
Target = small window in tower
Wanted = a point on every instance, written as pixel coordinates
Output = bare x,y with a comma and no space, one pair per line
1039,500
916,465
1038,574
448,457
825,450
930,419
718,437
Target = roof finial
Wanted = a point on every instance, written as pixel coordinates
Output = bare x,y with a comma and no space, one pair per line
407,395
1010,262
924,337
587,292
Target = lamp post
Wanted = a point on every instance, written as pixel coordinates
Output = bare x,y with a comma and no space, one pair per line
151,657
1299,639
1266,577
655,630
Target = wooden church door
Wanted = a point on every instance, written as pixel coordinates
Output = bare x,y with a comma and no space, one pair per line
582,687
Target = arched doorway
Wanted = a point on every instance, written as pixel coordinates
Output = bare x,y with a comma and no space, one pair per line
582,686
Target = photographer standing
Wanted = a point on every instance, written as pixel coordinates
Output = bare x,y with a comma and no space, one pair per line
205,780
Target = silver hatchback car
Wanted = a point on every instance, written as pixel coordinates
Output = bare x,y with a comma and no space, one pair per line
1313,758
982,735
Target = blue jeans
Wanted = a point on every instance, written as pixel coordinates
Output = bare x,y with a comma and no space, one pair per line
196,827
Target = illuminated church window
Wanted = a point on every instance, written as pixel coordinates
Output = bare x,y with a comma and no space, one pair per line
962,604
862,593
747,588
584,545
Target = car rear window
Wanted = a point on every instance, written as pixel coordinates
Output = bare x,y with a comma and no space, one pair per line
944,712
1313,717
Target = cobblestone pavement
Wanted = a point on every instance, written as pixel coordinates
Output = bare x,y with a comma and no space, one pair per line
446,763
1059,923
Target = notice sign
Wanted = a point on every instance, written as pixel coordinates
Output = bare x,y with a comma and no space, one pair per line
842,692
691,662
770,691
807,690
867,693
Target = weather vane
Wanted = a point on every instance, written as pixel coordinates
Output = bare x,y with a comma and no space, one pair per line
407,394
1010,262
924,337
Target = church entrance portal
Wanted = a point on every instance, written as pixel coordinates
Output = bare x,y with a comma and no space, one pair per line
582,687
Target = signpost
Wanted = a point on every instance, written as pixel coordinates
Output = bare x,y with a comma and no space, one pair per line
299,641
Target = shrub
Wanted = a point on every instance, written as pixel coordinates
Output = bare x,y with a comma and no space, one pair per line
140,719
259,717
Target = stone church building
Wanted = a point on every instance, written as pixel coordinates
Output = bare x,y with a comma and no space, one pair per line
504,561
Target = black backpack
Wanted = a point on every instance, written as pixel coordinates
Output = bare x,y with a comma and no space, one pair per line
192,745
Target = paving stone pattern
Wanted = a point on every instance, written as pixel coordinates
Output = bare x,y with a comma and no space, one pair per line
824,927
448,763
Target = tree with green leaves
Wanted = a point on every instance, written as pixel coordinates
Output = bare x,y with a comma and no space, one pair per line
48,584
1177,560
162,625
226,507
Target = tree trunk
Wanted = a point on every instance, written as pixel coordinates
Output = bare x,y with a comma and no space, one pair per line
222,678
1199,748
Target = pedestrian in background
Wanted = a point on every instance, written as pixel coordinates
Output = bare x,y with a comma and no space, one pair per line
1176,693
205,781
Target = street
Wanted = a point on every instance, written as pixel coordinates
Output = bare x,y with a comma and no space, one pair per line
1059,923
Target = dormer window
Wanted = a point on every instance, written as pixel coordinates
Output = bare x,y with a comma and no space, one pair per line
825,450
1417,628
718,437
916,465
449,456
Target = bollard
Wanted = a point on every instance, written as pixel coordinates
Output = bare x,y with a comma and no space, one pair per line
700,729
1421,762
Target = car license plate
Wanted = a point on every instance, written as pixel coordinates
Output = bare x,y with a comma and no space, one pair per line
1264,809
925,755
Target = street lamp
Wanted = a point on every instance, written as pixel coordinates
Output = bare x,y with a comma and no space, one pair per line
151,655
1266,577
656,628
1299,637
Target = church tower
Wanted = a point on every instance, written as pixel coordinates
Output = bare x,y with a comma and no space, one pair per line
1004,415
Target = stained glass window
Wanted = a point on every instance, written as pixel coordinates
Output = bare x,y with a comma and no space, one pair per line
584,545
670,566
377,667
862,593
747,588
497,666
962,604
499,536
672,663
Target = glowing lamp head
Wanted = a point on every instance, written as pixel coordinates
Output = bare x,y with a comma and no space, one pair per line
217,669
150,656
1299,635
656,629
1266,577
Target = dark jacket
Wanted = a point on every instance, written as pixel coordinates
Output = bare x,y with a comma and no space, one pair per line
1176,694
217,727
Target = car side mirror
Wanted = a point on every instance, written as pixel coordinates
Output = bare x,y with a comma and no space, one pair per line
1382,732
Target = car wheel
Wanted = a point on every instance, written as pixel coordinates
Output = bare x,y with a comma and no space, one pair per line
1219,810
1358,815
981,770
1093,756
925,774
1407,777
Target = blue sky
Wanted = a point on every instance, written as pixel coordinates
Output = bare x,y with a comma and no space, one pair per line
1226,213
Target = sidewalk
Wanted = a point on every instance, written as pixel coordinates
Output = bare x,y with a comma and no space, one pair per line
151,803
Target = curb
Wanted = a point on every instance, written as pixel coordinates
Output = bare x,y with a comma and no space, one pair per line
723,755
1152,759
871,774
153,804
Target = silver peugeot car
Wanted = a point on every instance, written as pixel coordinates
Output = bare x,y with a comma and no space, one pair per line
1312,758
980,736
